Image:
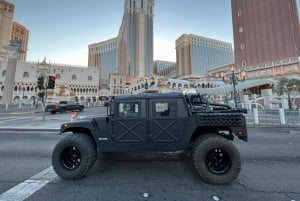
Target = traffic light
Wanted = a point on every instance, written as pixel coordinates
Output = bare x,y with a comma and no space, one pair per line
40,83
51,82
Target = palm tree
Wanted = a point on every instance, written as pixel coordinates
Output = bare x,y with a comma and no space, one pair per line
286,85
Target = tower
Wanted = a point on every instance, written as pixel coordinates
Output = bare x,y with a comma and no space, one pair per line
136,38
264,31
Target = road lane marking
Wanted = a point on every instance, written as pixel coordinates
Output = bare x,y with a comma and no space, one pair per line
25,189
7,119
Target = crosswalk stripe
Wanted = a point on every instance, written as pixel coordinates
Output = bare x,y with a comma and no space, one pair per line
25,189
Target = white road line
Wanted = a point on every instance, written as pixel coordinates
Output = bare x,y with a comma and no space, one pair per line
16,119
25,189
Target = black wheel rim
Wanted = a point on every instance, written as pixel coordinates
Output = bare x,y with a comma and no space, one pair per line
70,158
218,161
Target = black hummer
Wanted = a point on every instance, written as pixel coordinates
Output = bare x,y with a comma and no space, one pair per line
157,123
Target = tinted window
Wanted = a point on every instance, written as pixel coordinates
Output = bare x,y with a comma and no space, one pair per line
165,109
128,110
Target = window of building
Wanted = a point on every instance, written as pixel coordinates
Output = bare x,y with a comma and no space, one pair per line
3,73
242,46
129,110
57,76
241,29
239,12
115,81
244,63
90,78
74,77
25,74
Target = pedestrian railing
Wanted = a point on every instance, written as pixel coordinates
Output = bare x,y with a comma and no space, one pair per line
273,117
19,106
30,105
254,116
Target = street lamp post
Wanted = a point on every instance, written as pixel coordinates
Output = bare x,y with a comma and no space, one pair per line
146,83
234,80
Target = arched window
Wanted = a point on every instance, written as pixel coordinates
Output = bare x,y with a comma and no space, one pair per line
242,46
3,73
239,13
90,78
25,74
74,77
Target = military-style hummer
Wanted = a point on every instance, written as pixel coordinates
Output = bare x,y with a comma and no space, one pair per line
158,122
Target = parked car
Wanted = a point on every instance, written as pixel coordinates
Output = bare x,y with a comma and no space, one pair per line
63,106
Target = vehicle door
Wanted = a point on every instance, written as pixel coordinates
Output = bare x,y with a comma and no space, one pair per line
129,123
164,122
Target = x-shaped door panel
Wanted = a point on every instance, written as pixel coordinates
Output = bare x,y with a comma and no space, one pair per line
129,131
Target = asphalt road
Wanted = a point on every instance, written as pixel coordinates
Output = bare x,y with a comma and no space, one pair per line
270,171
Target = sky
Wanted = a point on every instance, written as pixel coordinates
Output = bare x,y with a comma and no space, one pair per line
61,30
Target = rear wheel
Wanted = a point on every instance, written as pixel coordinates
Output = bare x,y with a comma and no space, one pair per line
74,156
216,159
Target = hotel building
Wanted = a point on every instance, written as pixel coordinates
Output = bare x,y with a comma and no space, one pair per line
195,55
6,16
20,33
265,31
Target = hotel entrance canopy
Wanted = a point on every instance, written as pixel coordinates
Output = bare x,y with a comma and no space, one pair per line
227,88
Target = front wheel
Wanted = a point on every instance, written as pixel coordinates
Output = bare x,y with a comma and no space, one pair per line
216,159
74,156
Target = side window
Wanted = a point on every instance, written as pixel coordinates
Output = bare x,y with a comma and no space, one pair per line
129,110
165,109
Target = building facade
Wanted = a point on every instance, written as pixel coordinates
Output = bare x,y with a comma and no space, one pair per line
134,46
72,82
6,16
195,55
20,33
104,55
164,68
137,34
265,31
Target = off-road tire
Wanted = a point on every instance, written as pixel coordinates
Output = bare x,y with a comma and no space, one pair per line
216,159
74,156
